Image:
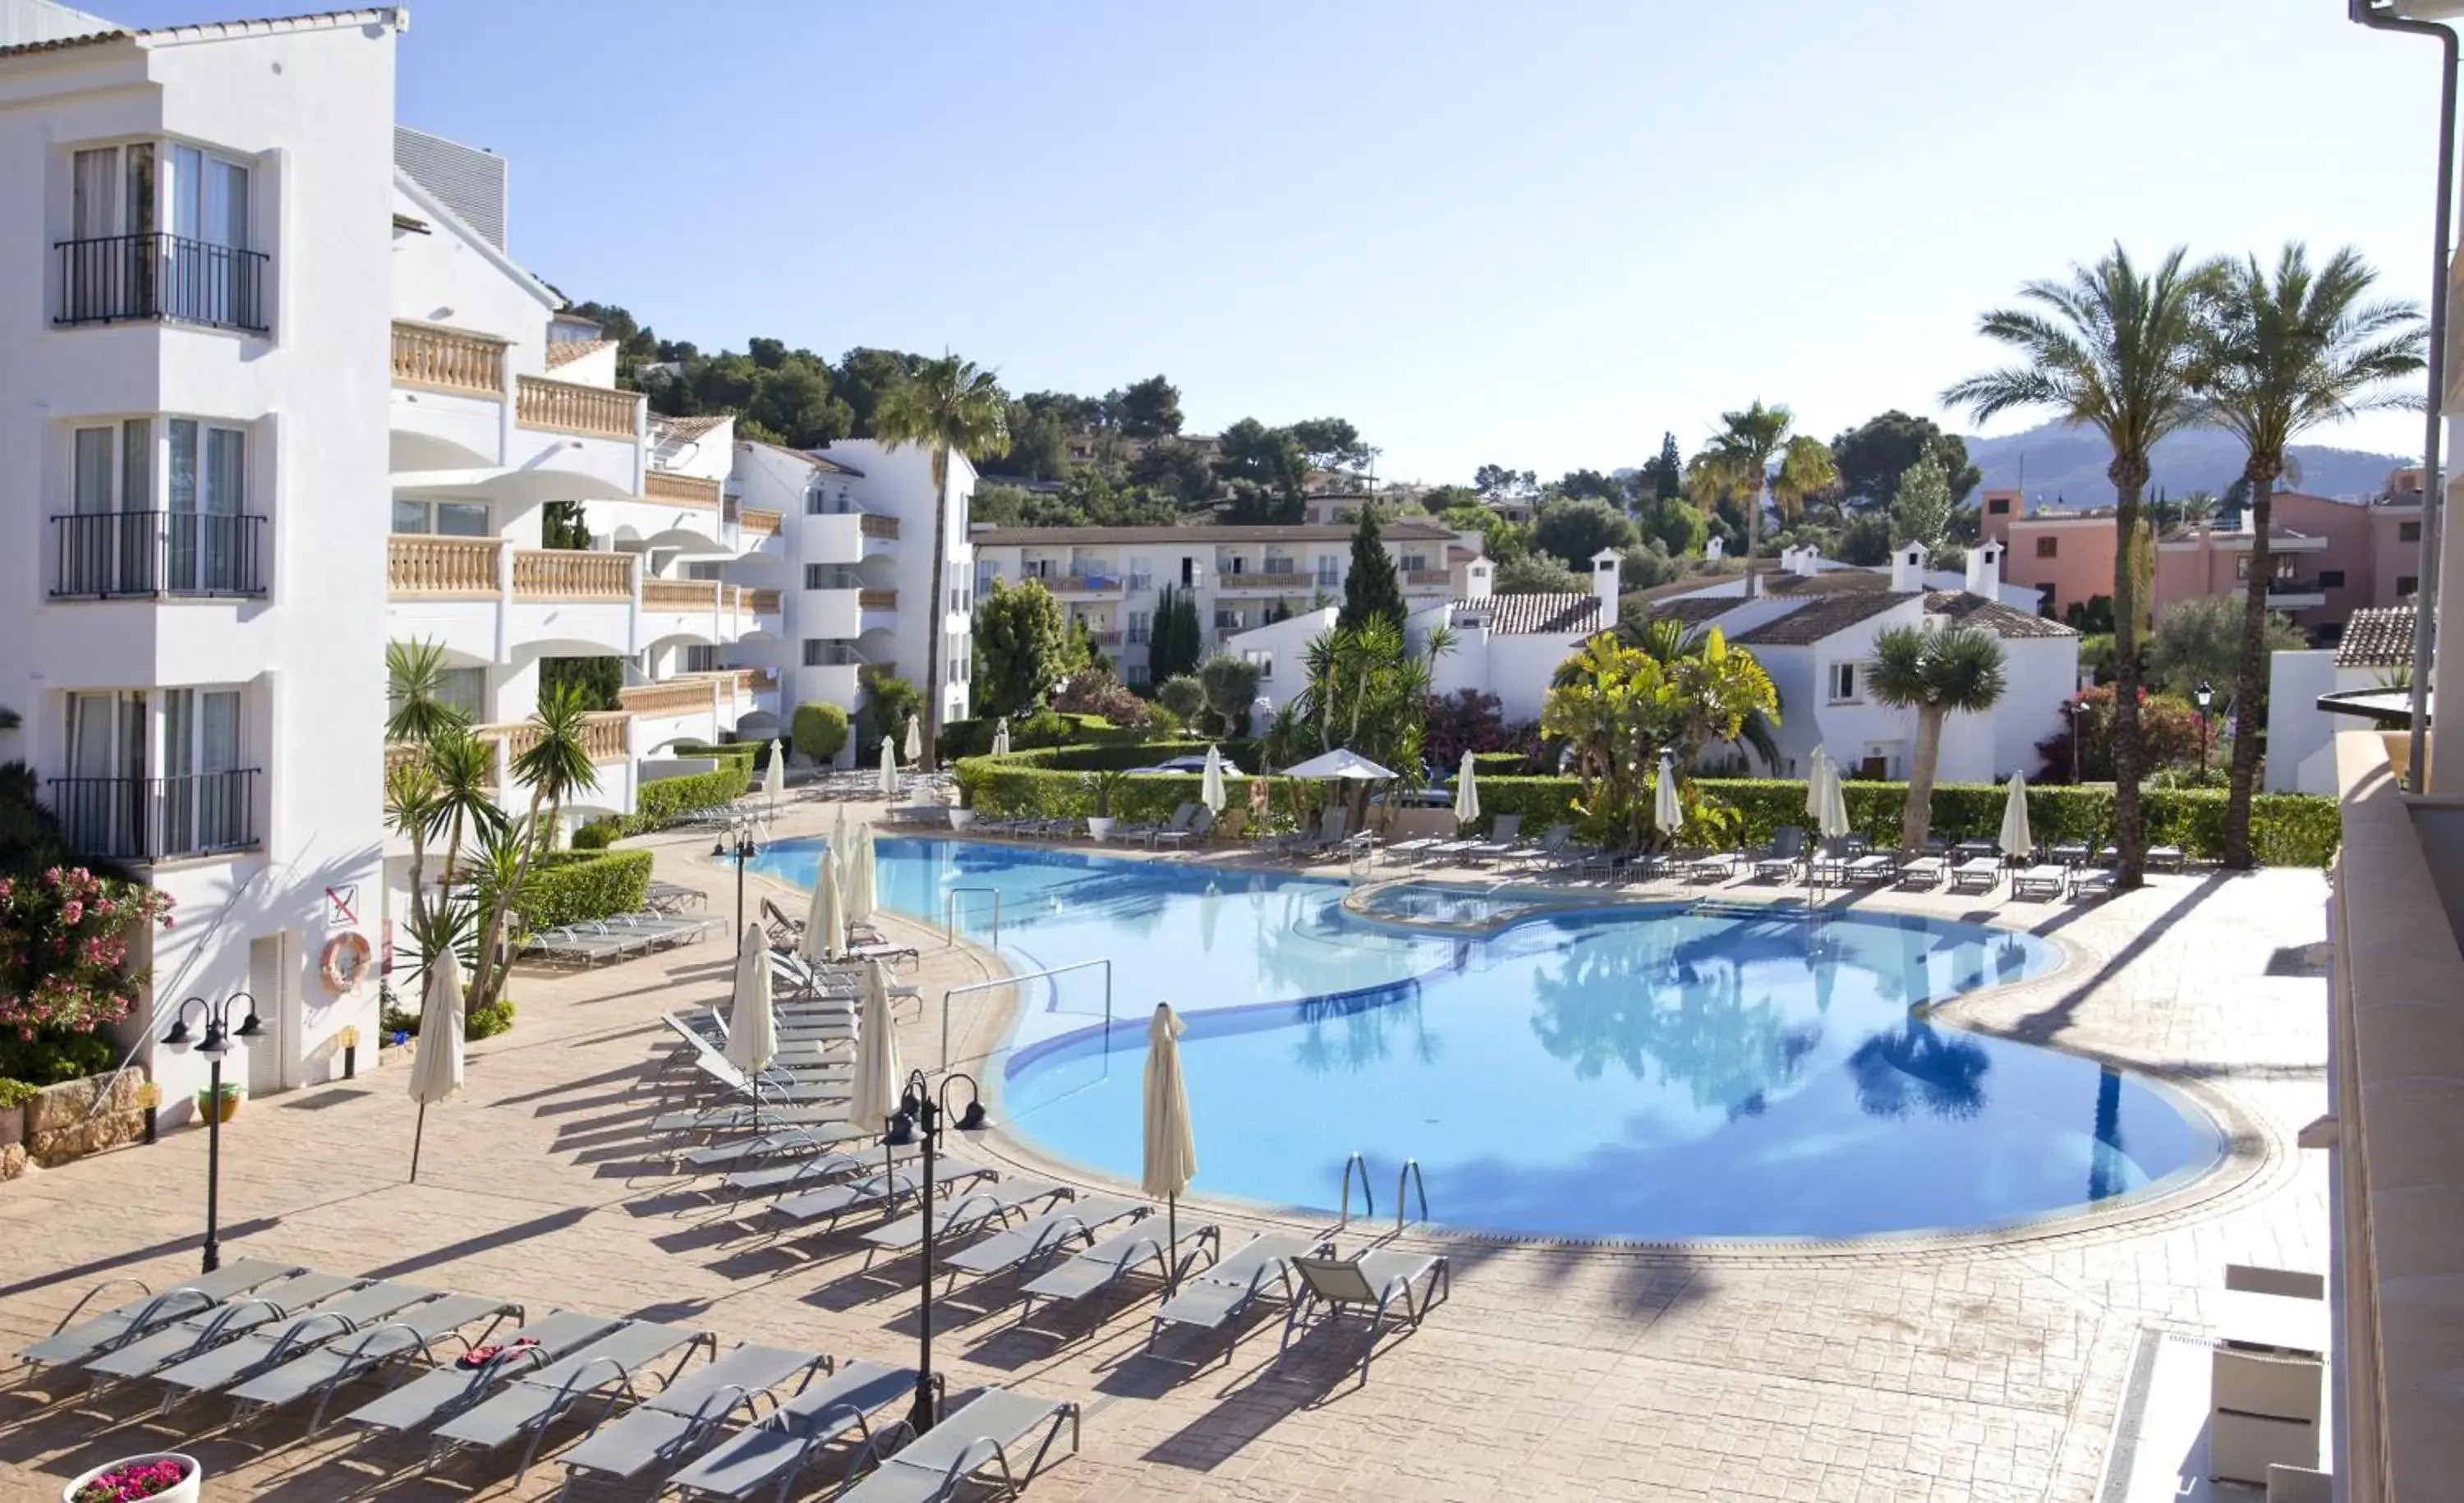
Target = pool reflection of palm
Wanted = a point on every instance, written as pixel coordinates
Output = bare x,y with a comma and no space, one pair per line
1653,1014
1917,1065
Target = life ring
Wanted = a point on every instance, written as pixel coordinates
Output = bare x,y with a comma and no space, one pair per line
345,960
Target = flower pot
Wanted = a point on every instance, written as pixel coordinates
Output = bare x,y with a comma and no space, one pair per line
2399,754
228,1105
960,819
183,1490
1099,826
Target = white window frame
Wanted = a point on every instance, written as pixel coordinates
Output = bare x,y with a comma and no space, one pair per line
1847,683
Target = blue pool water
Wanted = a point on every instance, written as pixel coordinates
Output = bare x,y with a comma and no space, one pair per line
1659,1074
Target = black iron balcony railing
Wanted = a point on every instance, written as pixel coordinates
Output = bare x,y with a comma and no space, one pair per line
122,278
158,819
96,555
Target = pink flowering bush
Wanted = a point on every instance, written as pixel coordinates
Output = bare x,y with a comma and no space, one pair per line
142,1479
64,950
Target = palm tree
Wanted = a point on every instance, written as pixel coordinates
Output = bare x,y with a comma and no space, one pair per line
2285,354
554,767
1806,471
1665,640
1937,674
2117,350
945,404
1736,463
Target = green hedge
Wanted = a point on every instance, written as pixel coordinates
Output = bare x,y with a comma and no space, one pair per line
1044,729
575,887
658,803
2286,828
748,756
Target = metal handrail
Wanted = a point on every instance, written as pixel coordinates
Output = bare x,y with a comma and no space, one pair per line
1030,976
950,914
1368,1202
1411,1171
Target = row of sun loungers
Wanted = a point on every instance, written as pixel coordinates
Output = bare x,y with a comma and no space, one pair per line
621,937
751,1420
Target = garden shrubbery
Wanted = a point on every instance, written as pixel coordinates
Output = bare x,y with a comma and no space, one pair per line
657,803
579,886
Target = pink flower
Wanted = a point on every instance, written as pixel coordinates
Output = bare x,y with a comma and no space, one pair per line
73,913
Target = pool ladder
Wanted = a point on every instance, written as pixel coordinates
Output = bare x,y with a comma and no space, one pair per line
1408,1177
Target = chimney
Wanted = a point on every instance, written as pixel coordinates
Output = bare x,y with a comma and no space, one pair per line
1907,568
1604,584
1985,570
1478,575
1713,548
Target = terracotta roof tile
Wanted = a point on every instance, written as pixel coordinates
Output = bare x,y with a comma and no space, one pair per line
1817,618
1531,615
1992,615
685,429
1695,609
2378,638
564,352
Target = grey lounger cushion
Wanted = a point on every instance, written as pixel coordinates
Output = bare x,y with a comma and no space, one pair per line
815,1168
1110,1260
1054,1228
1224,1290
822,1132
539,1397
340,1359
754,1458
2047,879
226,1322
925,1470
880,1189
449,1390
97,1333
279,1341
959,1215
678,1417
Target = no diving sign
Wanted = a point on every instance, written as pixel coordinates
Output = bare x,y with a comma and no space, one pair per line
342,904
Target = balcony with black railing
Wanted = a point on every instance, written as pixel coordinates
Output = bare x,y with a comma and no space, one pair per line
158,819
105,555
126,278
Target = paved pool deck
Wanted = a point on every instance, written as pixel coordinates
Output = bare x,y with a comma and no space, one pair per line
1985,1368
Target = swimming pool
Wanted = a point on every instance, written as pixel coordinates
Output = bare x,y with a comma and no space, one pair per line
1680,1070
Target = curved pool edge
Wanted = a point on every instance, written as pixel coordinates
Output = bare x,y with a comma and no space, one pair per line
2247,1147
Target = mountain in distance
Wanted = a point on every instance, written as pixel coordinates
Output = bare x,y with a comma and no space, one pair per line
2060,462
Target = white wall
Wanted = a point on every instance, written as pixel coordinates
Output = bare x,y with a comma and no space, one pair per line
2302,737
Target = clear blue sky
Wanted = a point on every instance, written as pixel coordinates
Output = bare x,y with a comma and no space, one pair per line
1533,234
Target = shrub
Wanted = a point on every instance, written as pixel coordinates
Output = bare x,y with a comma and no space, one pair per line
55,1054
744,756
819,730
969,737
656,804
1094,691
1159,723
488,1020
1466,721
890,702
597,835
64,948
2170,736
1183,696
17,1092
577,887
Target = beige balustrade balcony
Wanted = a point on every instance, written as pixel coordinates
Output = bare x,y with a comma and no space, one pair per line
572,574
681,489
563,405
674,697
679,595
873,526
876,600
751,679
764,602
756,520
439,358
604,735
442,569
1424,577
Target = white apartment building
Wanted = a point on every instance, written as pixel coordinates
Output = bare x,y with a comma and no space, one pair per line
1113,579
853,571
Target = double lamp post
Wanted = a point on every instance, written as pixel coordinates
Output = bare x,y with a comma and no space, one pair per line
919,1122
214,1045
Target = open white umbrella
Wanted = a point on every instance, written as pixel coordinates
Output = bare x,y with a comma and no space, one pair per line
889,769
752,1025
1000,737
1210,787
774,778
863,892
914,746
1667,812
2017,838
1466,793
436,1070
1343,765
874,1088
1171,1154
826,920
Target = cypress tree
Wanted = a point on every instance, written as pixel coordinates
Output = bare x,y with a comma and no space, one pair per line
1372,588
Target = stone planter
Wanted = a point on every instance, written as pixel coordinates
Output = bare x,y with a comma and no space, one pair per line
960,819
77,1118
231,1100
184,1491
1099,828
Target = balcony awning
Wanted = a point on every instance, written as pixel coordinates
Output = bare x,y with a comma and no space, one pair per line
2384,706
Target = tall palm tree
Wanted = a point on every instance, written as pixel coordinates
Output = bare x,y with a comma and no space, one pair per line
2118,350
946,405
555,767
1957,669
1736,463
2285,353
1806,471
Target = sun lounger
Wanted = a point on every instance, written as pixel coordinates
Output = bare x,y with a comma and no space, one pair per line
959,1215
324,1369
1926,871
1415,849
1031,1242
71,1344
1777,861
2091,880
1872,867
815,1136
670,896
537,1400
195,1334
775,1452
2166,858
978,1433
670,1425
1976,874
1102,1268
1226,1293
449,1389
808,1171
2039,881
1504,834
1147,829
873,1193
1200,826
1376,1284
271,1344
733,1117
1704,866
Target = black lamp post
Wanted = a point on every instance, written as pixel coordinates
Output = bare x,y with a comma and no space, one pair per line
738,843
215,1044
2077,710
920,1117
2205,696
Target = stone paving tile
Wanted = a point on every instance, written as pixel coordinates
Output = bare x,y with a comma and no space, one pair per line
1984,1368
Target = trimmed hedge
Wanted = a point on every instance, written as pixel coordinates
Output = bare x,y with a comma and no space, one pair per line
656,804
749,756
577,887
2286,828
1044,729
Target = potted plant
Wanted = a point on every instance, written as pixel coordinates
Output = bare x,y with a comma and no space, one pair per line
1104,784
226,1106
163,1477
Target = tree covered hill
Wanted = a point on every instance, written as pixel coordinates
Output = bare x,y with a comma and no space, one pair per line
2059,462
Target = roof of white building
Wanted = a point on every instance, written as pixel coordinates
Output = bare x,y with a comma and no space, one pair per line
822,462
564,352
2379,637
395,16
1992,615
1332,532
1828,612
685,429
1825,615
1532,615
